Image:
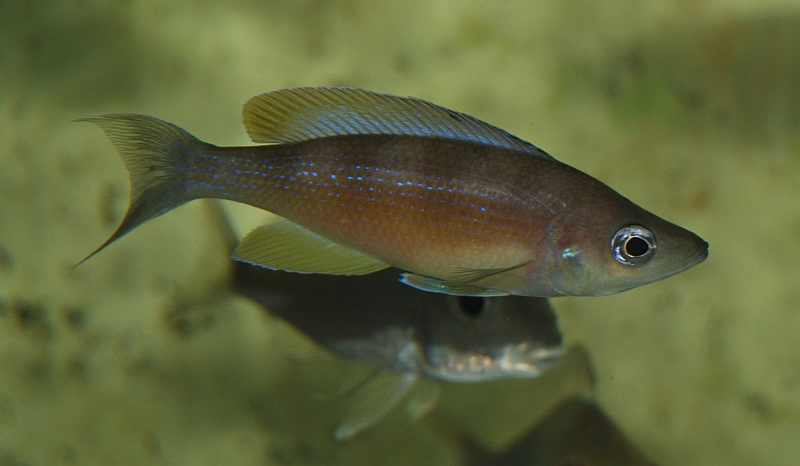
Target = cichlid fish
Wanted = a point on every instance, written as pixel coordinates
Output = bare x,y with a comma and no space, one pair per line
375,320
365,181
378,321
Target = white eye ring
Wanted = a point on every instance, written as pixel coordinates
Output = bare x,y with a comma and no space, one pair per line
633,245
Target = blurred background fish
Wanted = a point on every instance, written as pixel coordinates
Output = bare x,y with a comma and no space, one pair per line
376,320
367,180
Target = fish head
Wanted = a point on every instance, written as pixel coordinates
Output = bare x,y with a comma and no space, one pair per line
476,339
608,247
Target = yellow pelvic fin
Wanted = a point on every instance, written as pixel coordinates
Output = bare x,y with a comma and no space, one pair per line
287,246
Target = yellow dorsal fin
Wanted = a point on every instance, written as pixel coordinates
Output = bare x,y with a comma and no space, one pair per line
287,246
303,113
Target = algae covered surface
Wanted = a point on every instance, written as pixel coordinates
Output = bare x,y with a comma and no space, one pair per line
143,356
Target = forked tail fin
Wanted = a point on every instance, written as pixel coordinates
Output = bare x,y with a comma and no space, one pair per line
157,155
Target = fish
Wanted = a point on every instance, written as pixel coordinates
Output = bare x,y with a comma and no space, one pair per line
376,320
408,336
576,432
366,181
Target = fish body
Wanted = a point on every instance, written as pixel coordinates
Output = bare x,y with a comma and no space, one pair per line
371,181
420,204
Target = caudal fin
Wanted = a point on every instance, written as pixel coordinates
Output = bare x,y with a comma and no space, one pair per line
156,154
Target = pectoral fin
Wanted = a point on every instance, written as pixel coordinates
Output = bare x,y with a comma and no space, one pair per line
435,285
287,246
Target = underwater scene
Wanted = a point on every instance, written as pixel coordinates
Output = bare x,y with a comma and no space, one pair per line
335,232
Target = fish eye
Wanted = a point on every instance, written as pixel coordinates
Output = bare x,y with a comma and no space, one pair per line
471,306
633,245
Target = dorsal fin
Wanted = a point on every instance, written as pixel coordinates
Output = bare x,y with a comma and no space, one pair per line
303,113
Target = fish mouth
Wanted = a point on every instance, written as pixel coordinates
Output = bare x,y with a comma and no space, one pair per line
512,361
699,255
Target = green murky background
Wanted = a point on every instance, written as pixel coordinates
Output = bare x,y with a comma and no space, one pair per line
690,108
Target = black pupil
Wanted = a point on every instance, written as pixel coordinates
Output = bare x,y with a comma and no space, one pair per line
636,247
471,305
